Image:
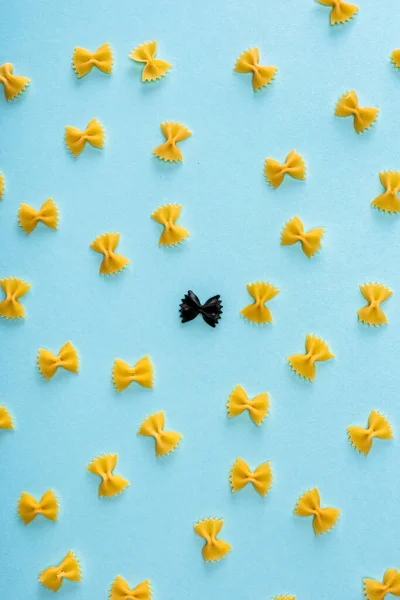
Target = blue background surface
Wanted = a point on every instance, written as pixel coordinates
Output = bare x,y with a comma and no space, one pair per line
235,220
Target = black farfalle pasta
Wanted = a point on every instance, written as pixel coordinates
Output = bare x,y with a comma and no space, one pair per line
191,307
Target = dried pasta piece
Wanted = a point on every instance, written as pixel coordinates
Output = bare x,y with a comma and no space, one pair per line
239,401
83,60
304,364
213,549
106,244
378,427
241,475
120,590
309,505
341,11
29,217
6,420
14,85
374,294
347,106
29,508
257,312
142,373
68,568
375,590
166,441
67,358
248,63
293,232
275,172
14,289
285,597
191,306
103,466
154,68
389,201
395,58
76,140
2,186
173,133
167,216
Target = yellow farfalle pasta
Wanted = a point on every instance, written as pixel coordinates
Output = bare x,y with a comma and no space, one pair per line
142,373
248,63
257,312
2,186
378,427
103,466
167,216
241,475
166,441
67,358
83,60
309,505
173,133
275,172
213,549
389,201
347,106
14,289
68,568
76,140
28,217
120,590
14,85
239,401
395,58
6,420
285,598
374,294
341,11
293,232
29,508
304,364
154,68
106,244
375,590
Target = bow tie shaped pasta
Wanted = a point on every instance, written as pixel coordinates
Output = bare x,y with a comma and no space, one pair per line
167,216
67,358
275,172
68,568
103,466
293,232
6,421
378,427
238,402
304,364
166,441
213,549
341,11
374,294
83,60
14,289
389,201
154,68
76,140
2,185
173,133
120,590
309,505
241,475
375,590
14,85
257,312
191,306
347,106
106,244
29,508
29,217
142,373
248,62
